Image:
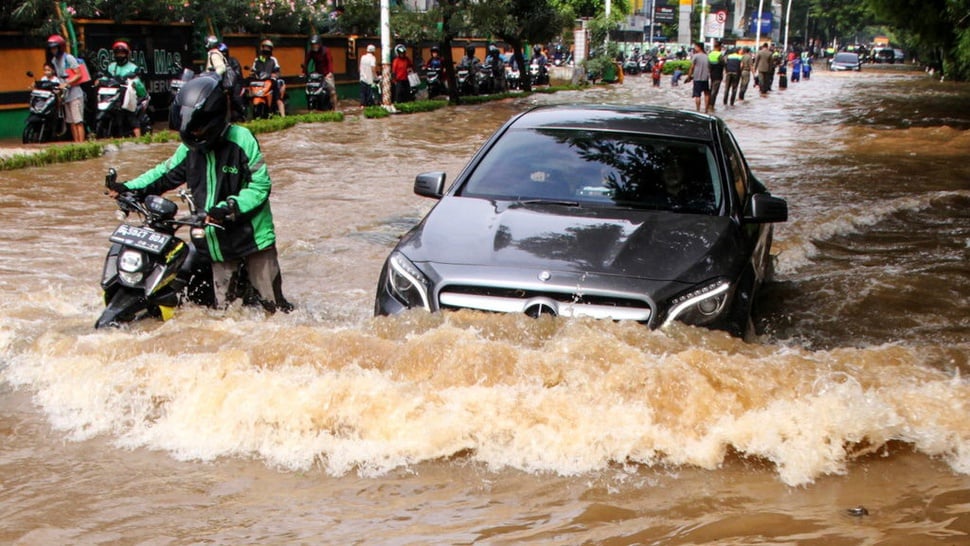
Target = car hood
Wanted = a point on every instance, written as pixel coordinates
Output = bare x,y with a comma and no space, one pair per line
644,244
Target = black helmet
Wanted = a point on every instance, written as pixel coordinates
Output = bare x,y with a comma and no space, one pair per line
200,112
435,49
470,51
400,49
211,42
315,39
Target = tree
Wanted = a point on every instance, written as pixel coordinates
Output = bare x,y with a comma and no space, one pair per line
940,28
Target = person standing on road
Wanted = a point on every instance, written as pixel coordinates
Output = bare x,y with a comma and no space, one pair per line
763,65
732,67
72,95
747,65
716,58
700,73
367,67
400,68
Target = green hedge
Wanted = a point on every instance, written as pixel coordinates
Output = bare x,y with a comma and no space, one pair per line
669,66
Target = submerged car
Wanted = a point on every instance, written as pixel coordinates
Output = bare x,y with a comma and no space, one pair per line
845,61
625,213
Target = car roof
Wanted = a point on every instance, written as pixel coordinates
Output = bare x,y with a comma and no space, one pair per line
652,120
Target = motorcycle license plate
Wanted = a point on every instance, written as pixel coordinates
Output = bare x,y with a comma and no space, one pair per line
140,238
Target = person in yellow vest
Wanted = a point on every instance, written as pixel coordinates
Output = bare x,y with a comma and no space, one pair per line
732,67
716,58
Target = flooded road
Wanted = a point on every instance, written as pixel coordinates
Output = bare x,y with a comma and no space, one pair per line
329,426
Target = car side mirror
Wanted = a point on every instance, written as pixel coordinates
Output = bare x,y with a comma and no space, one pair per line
430,184
764,209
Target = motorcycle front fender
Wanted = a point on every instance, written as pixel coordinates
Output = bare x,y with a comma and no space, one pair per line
124,306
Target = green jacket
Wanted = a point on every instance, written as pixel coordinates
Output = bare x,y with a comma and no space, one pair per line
234,171
128,70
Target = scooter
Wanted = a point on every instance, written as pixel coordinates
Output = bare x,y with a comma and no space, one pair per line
317,93
484,79
466,83
538,73
513,78
149,270
436,86
46,119
111,116
261,97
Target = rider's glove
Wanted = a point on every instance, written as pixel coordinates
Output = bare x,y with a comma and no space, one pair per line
220,213
117,187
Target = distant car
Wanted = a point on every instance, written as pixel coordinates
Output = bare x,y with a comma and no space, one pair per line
625,213
844,60
899,55
884,55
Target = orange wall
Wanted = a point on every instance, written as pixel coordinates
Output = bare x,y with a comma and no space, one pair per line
17,62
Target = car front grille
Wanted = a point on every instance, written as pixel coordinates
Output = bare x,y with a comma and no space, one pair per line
535,302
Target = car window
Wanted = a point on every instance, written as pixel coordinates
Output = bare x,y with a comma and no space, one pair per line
599,169
739,170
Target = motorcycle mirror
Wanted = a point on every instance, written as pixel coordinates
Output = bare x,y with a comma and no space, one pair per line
111,177
30,74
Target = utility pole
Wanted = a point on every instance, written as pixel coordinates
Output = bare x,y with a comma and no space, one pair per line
386,53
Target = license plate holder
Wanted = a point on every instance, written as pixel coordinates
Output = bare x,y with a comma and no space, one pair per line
140,238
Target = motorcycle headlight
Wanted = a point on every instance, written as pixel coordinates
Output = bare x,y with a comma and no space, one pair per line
406,282
130,265
701,304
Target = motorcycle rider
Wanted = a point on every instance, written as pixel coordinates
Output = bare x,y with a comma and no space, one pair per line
436,63
266,67
471,63
127,71
223,168
322,63
71,92
235,87
215,60
539,59
494,59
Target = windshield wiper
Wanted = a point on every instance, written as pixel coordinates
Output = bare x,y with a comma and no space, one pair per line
560,202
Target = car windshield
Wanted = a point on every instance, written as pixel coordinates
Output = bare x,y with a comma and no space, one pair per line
846,58
599,168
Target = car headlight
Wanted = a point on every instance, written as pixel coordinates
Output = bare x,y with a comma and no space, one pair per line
699,305
130,264
406,282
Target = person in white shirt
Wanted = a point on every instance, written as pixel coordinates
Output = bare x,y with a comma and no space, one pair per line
368,74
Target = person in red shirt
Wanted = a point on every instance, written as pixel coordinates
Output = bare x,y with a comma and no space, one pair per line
401,66
319,60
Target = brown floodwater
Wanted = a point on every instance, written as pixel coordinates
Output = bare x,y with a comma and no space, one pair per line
329,426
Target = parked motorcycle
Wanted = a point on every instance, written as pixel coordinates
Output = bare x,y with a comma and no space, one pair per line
317,93
631,66
538,73
46,118
436,85
261,97
484,79
467,84
513,78
111,119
